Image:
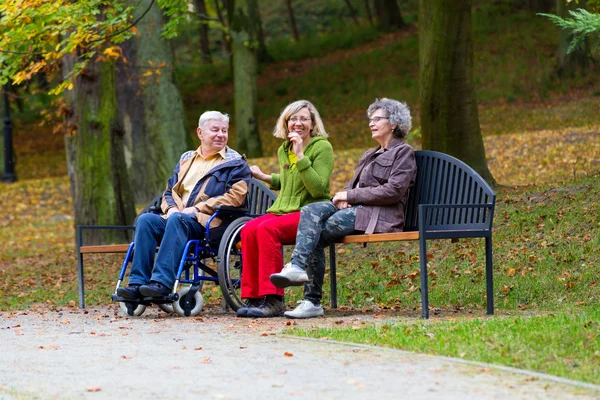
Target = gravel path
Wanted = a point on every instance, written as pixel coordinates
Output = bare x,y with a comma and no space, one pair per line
96,354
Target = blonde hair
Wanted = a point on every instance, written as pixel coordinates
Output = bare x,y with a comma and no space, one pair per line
281,129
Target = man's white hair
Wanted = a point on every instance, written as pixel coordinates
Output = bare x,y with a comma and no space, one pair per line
212,115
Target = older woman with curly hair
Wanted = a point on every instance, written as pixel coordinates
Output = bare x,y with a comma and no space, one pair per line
305,165
372,202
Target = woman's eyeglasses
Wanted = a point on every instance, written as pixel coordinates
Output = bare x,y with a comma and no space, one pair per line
376,119
301,119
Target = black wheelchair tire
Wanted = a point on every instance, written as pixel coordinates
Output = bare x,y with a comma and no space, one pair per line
230,264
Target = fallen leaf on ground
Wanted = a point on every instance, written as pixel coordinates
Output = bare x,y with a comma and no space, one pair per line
52,346
93,389
288,354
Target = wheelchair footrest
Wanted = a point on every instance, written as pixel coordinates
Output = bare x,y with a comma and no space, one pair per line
170,298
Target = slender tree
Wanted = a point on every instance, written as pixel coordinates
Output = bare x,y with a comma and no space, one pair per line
368,11
292,18
150,106
244,32
221,7
448,105
389,15
263,54
200,7
352,11
2,127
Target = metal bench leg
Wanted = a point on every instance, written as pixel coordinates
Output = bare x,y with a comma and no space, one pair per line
423,262
80,268
332,275
489,275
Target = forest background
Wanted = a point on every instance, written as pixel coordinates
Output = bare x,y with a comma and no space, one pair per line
539,124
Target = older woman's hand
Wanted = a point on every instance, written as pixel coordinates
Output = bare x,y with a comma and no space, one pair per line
340,200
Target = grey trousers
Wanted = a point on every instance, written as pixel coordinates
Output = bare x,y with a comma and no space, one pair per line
320,225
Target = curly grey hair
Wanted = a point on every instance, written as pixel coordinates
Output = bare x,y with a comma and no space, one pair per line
398,114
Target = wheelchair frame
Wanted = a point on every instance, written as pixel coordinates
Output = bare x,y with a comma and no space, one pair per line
193,271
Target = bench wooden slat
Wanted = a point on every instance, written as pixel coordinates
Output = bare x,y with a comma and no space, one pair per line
107,248
380,237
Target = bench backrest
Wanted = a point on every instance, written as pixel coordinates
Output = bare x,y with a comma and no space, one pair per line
259,197
443,179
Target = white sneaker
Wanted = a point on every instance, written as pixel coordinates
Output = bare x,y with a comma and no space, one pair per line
306,309
290,275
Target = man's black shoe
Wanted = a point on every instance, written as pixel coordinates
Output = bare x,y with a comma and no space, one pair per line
154,289
130,292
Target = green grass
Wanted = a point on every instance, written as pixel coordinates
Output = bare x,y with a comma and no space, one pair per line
565,344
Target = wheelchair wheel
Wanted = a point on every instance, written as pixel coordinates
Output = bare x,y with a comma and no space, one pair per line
230,263
188,307
166,307
132,309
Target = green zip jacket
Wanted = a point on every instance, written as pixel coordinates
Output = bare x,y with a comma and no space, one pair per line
305,182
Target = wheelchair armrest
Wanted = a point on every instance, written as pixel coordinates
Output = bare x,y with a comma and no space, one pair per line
155,210
230,210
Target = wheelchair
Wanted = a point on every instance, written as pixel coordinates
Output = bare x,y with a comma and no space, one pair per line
194,269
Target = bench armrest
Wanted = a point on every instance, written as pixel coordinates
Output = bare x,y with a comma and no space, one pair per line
454,220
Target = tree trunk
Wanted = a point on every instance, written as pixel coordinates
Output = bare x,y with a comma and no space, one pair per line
226,40
150,107
204,44
3,128
244,39
448,105
567,64
542,6
292,20
368,10
352,11
388,15
100,186
263,54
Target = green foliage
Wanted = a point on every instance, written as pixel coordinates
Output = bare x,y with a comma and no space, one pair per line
583,24
35,36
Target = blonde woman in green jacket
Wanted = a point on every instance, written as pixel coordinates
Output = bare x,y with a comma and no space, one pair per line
305,165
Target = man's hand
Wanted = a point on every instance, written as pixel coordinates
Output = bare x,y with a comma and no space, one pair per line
189,210
171,211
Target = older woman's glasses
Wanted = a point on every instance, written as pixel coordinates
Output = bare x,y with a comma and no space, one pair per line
376,119
301,119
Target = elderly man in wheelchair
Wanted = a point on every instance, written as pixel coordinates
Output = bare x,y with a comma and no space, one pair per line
212,177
